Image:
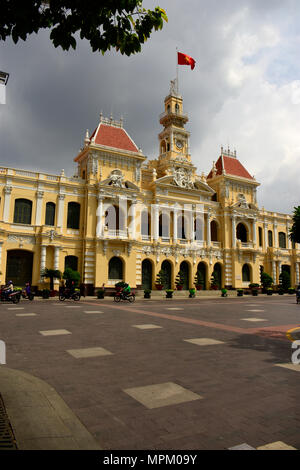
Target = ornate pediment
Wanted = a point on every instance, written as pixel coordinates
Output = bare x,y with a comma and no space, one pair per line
182,178
117,180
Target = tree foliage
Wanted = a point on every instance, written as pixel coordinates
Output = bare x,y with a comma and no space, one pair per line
123,25
51,274
295,230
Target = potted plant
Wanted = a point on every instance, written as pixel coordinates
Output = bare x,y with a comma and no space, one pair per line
291,290
280,291
147,293
100,294
169,294
240,292
199,280
266,281
214,281
160,280
51,274
45,293
224,293
192,293
269,291
179,281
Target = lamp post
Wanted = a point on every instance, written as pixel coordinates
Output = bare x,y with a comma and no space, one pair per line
3,81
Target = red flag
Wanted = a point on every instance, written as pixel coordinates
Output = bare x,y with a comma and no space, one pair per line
184,59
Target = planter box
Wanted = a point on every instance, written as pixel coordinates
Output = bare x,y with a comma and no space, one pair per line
147,296
179,287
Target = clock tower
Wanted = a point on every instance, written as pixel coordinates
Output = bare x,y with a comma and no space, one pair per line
174,138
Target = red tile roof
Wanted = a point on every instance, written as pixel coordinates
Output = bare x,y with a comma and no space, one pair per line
231,166
115,137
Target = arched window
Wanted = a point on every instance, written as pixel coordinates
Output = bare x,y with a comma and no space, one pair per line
182,228
114,218
198,228
246,273
164,225
71,262
214,231
50,213
115,268
73,215
23,209
145,223
241,233
282,240
260,236
270,238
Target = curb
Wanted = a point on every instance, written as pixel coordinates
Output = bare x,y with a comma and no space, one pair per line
39,417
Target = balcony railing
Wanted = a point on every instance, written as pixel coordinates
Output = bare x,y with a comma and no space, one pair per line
112,233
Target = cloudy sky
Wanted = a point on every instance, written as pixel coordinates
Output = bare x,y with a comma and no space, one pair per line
243,93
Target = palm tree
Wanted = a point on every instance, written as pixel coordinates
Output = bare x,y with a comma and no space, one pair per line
51,274
295,230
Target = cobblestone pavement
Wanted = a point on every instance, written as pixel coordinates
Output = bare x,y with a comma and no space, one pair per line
166,374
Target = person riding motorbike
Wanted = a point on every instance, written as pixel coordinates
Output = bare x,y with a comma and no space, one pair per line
126,290
8,289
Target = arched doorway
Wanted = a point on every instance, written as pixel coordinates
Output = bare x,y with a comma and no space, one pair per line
147,274
167,269
218,274
19,267
185,270
201,275
241,233
115,268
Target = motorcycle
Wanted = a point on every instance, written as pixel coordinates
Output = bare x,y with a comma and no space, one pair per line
120,295
11,297
25,295
67,294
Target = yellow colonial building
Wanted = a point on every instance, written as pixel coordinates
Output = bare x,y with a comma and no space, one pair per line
123,217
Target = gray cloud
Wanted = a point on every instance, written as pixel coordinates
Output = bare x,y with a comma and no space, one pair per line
54,96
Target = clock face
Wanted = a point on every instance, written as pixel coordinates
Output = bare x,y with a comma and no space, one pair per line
179,144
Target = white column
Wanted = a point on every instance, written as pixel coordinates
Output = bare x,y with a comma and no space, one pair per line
43,258
155,222
297,273
266,235
275,236
60,212
7,196
208,235
192,228
99,215
288,244
254,232
39,204
133,222
233,229
175,227
279,269
1,243
274,272
56,257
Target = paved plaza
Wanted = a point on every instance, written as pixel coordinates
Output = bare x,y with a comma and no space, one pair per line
210,373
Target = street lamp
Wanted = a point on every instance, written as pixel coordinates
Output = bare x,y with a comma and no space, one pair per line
4,78
3,81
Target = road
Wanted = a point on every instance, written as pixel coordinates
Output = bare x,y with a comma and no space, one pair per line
165,374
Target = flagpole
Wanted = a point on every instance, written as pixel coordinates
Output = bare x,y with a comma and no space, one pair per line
177,70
